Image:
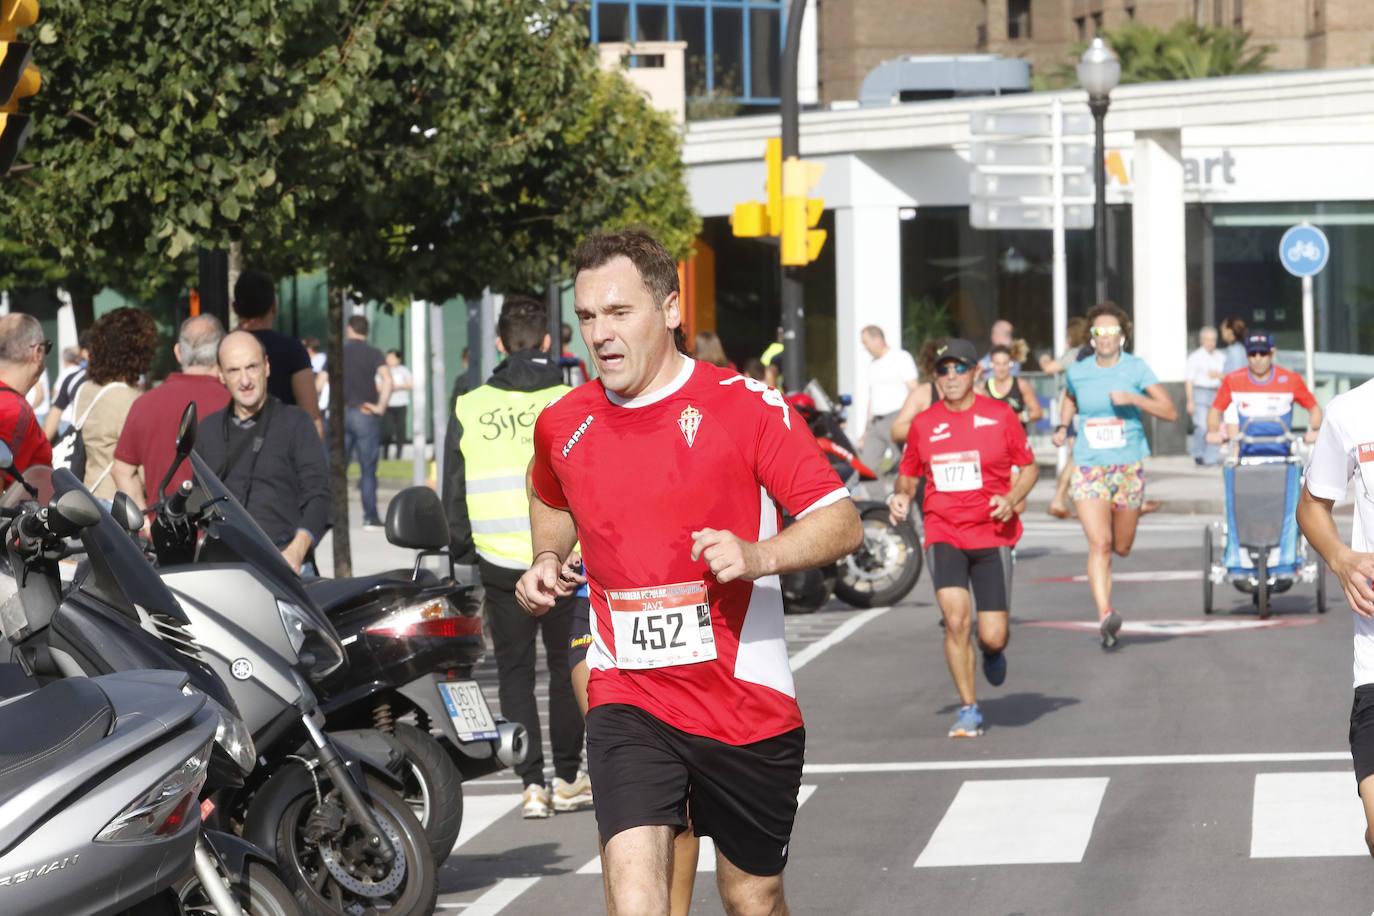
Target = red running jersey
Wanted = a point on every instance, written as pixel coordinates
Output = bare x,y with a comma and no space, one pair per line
966,457
711,449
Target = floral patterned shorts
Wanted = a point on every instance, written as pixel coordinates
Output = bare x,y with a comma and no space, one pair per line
1121,484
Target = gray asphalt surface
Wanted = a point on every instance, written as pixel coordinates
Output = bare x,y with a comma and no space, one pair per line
1156,778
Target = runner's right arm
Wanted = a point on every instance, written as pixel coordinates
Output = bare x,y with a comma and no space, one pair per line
1068,409
1329,471
554,536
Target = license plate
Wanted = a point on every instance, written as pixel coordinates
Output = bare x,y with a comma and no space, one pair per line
468,710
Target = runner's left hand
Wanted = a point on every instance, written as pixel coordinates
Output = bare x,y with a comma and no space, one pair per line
1310,436
727,556
1001,508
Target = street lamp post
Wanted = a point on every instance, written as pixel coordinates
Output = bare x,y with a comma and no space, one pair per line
1098,72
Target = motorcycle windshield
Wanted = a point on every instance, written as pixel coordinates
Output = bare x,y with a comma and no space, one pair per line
120,574
232,536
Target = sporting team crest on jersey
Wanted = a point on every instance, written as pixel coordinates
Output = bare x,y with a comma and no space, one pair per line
689,423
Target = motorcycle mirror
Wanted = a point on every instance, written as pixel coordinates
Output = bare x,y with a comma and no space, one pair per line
72,511
186,432
127,513
7,466
186,440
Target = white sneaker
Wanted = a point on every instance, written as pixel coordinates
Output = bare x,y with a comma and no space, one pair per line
572,796
536,802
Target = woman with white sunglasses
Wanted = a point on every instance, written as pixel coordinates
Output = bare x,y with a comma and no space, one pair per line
1108,395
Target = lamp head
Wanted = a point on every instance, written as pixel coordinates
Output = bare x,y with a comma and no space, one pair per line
1098,69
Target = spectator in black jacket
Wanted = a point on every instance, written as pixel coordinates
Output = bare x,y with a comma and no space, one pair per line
268,454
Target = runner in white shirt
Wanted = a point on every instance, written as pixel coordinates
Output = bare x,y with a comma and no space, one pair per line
891,377
1345,450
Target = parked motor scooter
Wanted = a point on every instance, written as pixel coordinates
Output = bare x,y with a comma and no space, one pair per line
123,624
98,797
345,840
887,566
413,640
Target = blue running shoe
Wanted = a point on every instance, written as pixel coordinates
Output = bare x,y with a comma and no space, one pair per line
969,724
995,668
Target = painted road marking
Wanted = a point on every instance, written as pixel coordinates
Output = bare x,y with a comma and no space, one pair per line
481,811
1016,822
835,636
1176,627
706,858
1306,814
1036,763
1161,575
495,900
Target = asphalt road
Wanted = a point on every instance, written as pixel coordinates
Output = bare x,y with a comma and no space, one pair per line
1201,767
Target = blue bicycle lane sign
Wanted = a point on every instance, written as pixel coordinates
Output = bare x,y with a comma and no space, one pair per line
1303,250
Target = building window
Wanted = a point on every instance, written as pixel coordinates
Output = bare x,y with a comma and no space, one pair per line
1018,19
1097,24
1130,13
1082,23
734,47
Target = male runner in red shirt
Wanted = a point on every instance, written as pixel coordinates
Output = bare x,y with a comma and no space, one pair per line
967,447
671,472
23,350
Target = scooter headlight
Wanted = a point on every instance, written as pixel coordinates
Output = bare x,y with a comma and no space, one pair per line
165,808
319,650
231,734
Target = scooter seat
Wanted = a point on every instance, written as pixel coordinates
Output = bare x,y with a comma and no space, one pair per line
14,682
44,729
331,594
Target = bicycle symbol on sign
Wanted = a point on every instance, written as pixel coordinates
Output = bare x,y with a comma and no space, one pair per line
1304,251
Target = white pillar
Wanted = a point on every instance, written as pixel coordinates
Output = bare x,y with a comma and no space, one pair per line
868,290
419,373
1161,292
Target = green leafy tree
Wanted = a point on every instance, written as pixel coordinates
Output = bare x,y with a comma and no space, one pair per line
163,127
1185,51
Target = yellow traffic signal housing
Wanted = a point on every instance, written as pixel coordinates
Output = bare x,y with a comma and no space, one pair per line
19,78
750,220
801,242
753,219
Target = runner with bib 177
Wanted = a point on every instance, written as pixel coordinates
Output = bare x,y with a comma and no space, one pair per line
1108,394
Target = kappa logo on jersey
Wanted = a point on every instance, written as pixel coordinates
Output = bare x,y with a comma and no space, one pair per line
982,421
568,446
689,423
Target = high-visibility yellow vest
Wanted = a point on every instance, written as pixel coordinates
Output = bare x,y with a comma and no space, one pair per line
497,444
770,353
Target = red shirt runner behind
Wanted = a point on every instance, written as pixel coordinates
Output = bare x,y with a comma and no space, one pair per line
22,432
966,457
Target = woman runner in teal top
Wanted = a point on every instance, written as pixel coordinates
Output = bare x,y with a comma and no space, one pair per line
1107,394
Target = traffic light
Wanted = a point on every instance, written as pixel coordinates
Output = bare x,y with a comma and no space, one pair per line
19,78
754,219
801,242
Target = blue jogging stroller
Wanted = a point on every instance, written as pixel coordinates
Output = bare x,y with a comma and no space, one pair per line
1262,552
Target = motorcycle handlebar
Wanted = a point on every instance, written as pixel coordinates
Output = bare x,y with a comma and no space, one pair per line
176,503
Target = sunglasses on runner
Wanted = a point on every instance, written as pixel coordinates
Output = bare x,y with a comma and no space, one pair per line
1109,331
951,369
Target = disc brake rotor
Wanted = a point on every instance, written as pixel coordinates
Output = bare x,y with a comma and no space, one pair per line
333,860
876,559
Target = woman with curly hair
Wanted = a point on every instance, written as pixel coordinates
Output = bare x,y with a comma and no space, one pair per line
122,346
1110,392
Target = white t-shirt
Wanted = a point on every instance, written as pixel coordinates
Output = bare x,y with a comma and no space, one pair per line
1345,450
887,381
400,397
1200,366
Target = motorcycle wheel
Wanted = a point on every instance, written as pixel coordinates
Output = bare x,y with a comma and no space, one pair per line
433,788
325,876
258,892
885,567
805,591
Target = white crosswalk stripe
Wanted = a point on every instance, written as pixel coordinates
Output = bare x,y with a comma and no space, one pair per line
1016,821
1306,814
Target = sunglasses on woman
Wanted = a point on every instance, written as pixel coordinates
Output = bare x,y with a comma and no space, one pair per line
1109,331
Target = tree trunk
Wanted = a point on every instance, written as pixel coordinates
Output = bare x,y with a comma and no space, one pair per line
338,460
235,268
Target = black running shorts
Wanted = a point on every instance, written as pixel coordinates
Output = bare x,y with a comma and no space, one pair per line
580,636
1362,732
987,570
744,797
